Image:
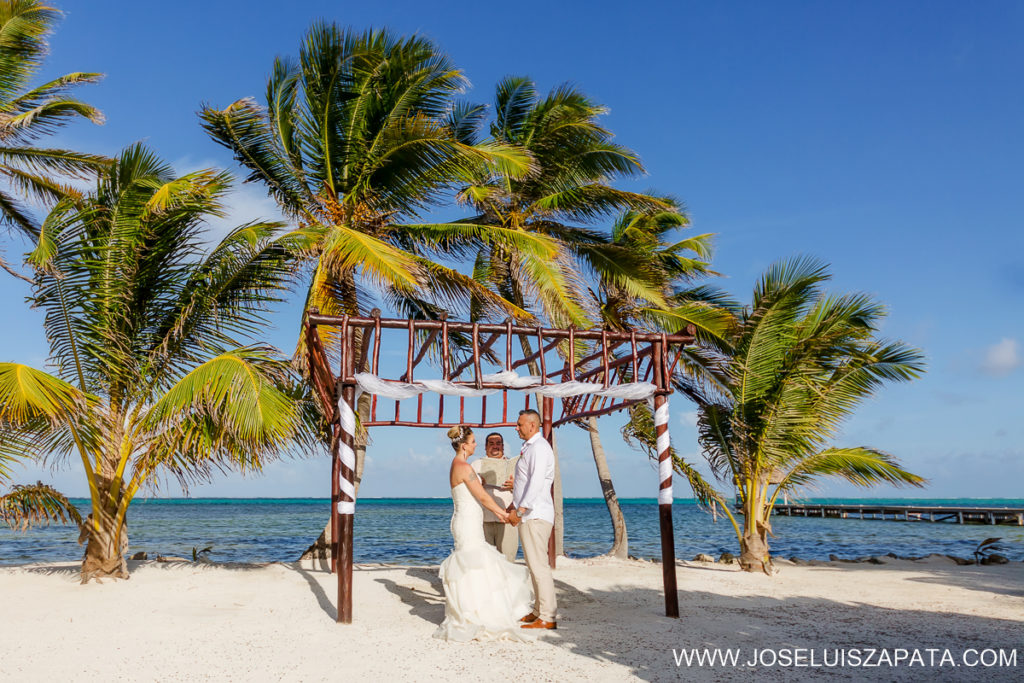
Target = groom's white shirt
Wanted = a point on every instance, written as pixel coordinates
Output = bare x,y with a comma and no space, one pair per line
535,472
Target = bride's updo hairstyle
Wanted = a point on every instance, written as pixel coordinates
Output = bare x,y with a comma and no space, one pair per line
459,435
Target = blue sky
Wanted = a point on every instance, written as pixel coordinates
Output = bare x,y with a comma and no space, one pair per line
884,138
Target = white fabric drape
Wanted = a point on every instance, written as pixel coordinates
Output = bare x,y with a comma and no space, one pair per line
347,418
663,443
369,383
372,384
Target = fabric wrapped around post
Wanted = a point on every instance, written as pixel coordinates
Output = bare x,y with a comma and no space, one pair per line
347,419
663,445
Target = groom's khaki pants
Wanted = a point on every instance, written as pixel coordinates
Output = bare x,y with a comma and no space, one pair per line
534,539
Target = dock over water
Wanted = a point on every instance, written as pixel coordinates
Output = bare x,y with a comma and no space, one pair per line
907,513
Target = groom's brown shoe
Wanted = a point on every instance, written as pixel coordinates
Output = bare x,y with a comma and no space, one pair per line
529,618
540,623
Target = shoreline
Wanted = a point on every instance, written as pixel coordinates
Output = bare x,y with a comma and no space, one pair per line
419,534
184,621
701,559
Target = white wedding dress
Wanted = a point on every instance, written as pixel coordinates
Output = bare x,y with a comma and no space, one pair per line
485,594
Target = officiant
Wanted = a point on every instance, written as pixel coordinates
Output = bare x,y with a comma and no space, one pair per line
495,471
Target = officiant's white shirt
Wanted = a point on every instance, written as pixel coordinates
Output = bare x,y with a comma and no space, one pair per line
535,473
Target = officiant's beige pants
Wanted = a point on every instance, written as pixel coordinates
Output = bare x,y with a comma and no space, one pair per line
504,537
534,538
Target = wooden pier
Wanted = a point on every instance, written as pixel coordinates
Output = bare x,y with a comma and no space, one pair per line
907,513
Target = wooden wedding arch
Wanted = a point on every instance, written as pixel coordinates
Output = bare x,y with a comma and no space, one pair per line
610,372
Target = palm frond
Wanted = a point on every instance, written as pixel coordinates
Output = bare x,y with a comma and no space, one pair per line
858,465
28,394
237,398
25,506
24,26
345,250
244,128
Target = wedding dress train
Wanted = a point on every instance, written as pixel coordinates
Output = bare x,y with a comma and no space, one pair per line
485,594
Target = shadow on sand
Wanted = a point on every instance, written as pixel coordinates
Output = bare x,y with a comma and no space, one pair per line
627,626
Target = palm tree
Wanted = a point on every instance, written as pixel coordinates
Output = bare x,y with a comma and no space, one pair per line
356,140
145,330
355,137
798,363
27,114
668,268
566,199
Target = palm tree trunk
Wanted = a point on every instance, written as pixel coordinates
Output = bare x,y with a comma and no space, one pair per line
754,553
105,542
559,527
620,542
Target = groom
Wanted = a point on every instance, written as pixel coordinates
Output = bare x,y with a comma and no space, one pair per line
532,505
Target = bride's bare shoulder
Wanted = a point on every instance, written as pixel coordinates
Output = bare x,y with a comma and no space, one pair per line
460,471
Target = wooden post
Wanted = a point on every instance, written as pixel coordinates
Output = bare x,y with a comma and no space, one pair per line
548,432
345,512
346,508
335,497
668,543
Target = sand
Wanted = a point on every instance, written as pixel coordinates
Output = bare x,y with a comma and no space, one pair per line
185,621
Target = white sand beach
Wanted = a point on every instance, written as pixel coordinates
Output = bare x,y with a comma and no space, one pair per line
184,621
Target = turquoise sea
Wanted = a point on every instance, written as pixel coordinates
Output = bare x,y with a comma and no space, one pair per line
415,531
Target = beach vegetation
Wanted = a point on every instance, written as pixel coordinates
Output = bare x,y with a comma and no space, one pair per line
357,138
357,141
797,362
30,172
565,199
152,369
569,199
668,266
986,549
29,505
156,365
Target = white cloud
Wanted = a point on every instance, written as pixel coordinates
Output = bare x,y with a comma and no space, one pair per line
245,202
1002,358
689,418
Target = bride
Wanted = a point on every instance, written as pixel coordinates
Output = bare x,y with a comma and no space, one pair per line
485,594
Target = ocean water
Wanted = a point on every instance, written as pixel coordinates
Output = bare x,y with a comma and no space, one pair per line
415,531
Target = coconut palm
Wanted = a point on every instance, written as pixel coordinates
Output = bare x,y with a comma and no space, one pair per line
568,198
667,267
798,363
30,113
146,329
357,139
